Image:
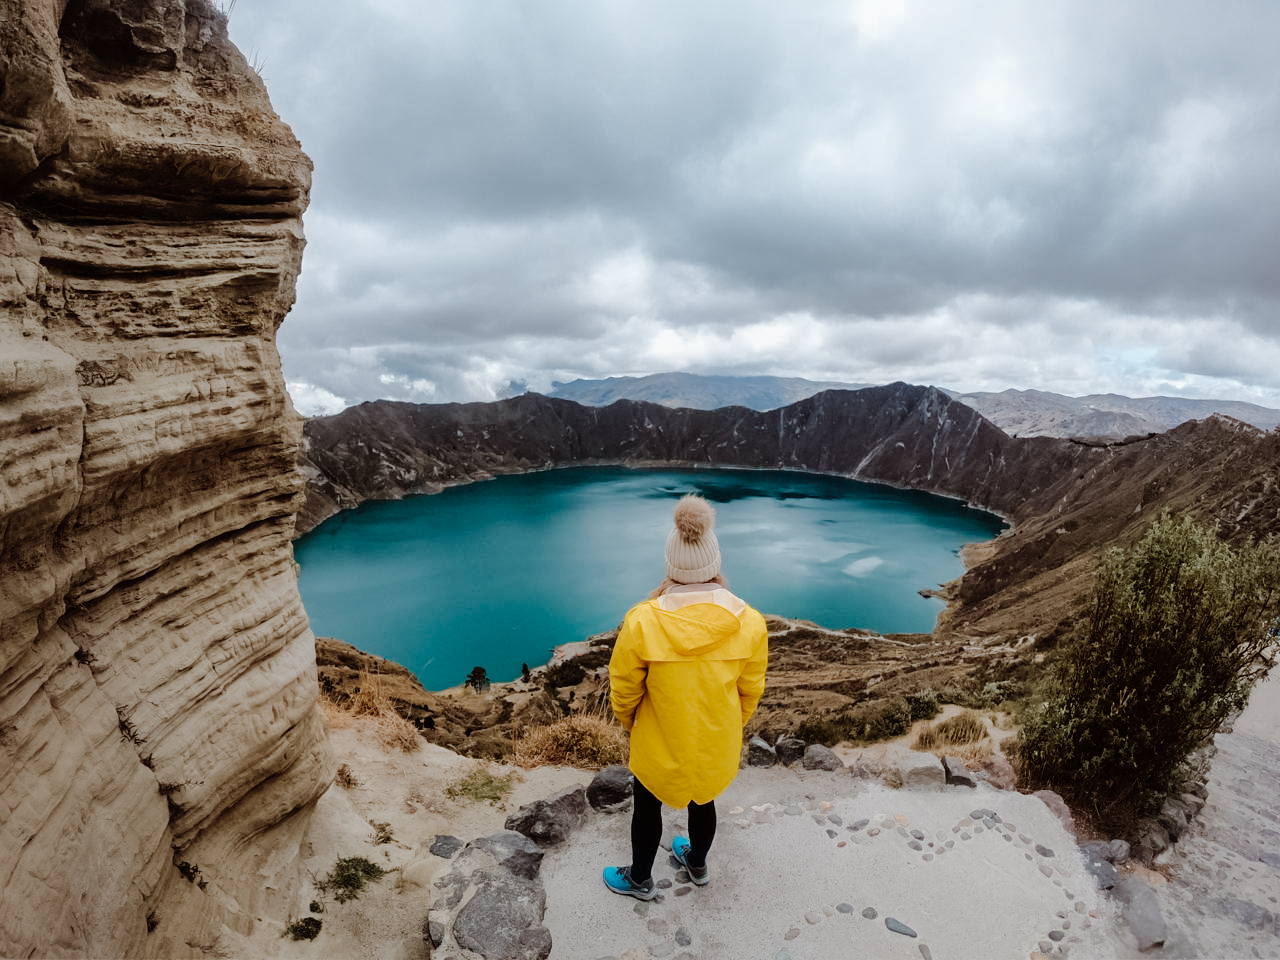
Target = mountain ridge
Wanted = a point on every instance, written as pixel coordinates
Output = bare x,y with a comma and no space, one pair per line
1022,413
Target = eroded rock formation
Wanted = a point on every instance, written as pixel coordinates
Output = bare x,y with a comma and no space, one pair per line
158,729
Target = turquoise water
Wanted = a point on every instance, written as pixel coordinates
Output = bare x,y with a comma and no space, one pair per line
498,573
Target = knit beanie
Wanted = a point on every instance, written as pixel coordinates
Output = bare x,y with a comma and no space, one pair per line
693,553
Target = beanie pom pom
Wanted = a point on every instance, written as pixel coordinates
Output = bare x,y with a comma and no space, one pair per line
694,518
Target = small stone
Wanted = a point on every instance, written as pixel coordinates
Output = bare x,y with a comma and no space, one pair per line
989,823
1011,827
826,805
657,926
915,845
1007,837
1056,935
841,844
870,913
1043,850
859,824
1024,838
978,829
967,822
832,834
873,832
683,891
445,846
978,815
821,821
664,884
1045,869
927,857
683,938
791,810
950,844
1080,907
1066,924
734,811
783,954
835,818
641,909
845,907
1046,946
924,952
1028,856
903,819
761,807
1060,914
897,926
966,836
792,933
918,834
814,917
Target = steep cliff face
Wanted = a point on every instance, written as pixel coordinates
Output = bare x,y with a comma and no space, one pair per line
157,675
905,435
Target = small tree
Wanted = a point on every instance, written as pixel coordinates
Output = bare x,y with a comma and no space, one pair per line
1178,629
477,678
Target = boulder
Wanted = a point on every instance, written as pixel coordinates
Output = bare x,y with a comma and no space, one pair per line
445,846
1142,912
957,774
1112,851
610,789
1175,817
760,754
1000,774
550,821
1152,841
921,771
789,750
514,852
503,919
819,757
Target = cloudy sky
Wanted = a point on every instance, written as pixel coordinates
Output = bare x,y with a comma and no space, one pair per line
1071,195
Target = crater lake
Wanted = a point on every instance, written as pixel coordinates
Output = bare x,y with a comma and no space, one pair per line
498,573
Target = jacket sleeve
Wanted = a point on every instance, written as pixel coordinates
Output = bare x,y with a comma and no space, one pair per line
751,680
627,675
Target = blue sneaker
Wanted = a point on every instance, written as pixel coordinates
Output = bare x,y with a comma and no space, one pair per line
618,879
680,850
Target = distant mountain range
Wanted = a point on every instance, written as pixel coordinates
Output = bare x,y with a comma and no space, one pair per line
1019,413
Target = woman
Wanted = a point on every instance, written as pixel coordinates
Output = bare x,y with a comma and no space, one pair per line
686,675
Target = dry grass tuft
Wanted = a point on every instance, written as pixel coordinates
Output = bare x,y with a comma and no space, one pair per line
963,736
373,705
580,740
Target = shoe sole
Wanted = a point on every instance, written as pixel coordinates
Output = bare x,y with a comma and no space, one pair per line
689,870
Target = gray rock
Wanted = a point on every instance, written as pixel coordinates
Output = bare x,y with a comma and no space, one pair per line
1152,840
514,851
897,926
456,883
820,757
552,820
845,907
789,750
1174,817
1043,850
1103,871
1112,851
433,931
503,920
921,771
445,846
957,774
870,913
683,938
610,789
1142,912
1250,914
760,754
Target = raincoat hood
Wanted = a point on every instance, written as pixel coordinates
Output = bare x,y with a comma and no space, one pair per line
681,626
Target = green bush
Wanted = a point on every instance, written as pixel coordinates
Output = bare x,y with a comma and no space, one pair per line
1177,630
348,877
307,928
870,722
568,673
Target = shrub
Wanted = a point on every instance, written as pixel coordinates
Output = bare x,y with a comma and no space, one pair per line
964,728
577,740
1175,633
372,701
308,928
568,673
864,723
347,879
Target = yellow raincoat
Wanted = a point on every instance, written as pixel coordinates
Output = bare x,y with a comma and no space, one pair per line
686,674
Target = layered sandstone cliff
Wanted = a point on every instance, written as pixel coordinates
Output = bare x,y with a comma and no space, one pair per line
159,739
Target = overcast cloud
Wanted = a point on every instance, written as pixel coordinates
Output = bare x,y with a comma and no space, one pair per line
1073,196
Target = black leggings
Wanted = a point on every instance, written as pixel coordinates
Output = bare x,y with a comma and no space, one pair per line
646,832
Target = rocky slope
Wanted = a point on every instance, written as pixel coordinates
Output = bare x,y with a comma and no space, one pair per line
1066,500
158,727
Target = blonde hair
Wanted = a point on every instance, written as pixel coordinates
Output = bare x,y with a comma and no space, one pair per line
668,583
